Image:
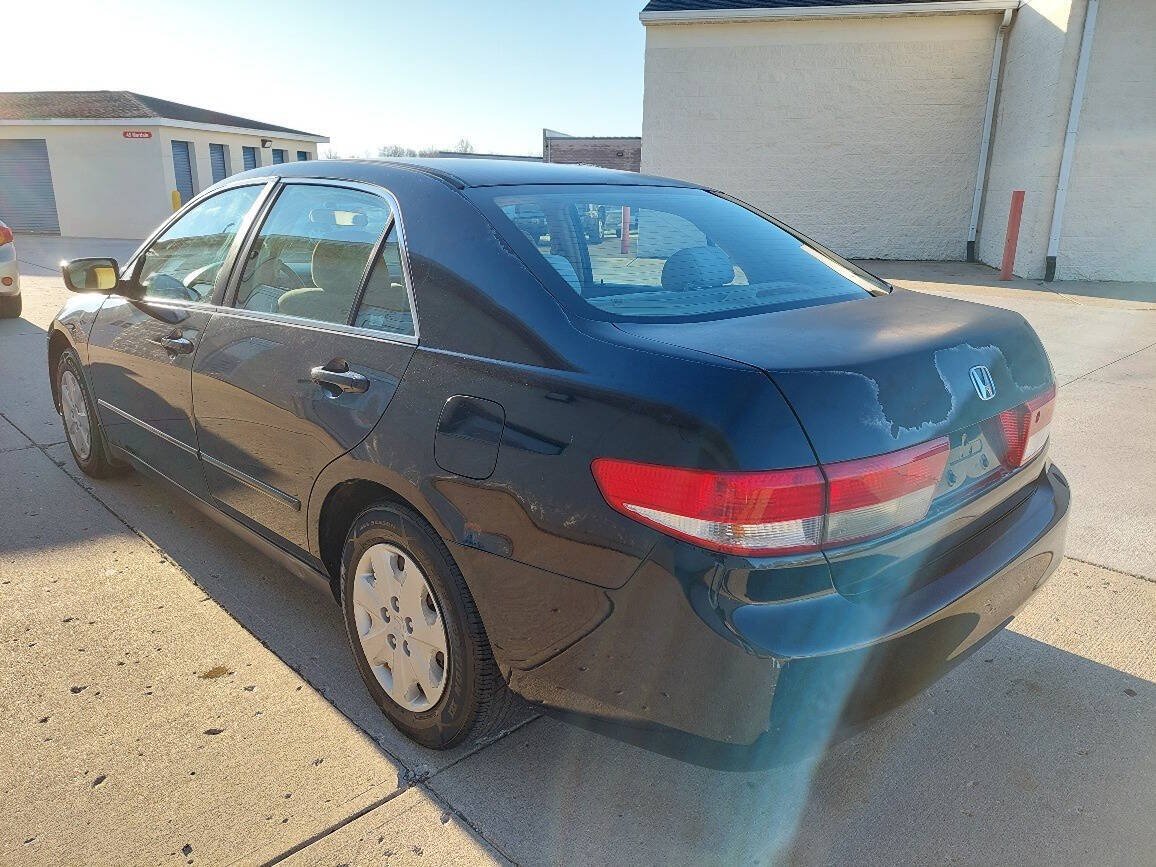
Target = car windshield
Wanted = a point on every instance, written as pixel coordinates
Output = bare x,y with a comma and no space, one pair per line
667,253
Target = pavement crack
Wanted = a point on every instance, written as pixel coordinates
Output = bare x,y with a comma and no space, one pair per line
336,826
477,748
449,810
1110,568
1109,364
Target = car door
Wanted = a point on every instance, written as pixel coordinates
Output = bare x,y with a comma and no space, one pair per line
303,362
143,342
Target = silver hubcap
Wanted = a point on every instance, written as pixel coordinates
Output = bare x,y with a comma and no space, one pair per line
400,627
76,421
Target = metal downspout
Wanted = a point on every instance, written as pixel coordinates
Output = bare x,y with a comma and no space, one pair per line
985,143
1070,139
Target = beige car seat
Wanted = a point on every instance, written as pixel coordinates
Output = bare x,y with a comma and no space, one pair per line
337,267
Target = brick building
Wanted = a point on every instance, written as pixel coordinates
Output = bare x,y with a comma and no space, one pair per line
609,152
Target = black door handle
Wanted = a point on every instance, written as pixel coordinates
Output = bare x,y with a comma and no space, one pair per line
339,381
176,345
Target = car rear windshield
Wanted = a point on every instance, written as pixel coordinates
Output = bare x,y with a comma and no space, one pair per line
635,253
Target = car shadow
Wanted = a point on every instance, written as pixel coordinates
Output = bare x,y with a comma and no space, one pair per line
297,621
1025,752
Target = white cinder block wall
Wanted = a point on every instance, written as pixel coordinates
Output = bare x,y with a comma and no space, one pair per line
1109,228
863,133
1028,139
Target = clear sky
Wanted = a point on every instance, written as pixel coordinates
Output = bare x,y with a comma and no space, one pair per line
364,73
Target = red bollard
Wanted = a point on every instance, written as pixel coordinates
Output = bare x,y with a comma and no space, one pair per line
1013,234
625,246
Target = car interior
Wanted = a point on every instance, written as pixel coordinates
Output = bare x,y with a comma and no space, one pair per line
669,264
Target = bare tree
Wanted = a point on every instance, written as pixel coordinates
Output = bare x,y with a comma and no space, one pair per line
331,154
464,146
428,152
395,151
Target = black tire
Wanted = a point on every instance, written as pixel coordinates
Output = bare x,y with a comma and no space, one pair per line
10,306
98,463
476,699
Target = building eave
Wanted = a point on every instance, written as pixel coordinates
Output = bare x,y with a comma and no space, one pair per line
138,122
861,10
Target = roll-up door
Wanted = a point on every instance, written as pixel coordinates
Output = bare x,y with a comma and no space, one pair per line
27,200
249,156
183,169
218,162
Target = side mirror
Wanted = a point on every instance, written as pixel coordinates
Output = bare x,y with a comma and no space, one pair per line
90,275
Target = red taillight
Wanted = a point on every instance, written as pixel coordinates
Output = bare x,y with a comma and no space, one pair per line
873,496
6,235
1025,428
778,511
742,513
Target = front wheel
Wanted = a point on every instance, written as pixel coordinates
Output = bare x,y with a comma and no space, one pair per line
415,631
81,424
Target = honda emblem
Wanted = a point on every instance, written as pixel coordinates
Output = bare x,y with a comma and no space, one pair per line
984,385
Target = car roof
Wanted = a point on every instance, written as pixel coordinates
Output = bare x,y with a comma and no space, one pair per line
463,172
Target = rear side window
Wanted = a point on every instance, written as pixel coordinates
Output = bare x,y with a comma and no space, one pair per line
311,253
673,254
385,303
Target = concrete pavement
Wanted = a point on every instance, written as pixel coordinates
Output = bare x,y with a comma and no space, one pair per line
1037,750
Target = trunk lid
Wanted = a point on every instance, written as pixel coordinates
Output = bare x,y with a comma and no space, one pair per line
879,374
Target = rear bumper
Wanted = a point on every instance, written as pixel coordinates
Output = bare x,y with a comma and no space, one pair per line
664,661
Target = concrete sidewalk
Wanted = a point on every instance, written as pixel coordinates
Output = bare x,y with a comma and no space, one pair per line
1037,750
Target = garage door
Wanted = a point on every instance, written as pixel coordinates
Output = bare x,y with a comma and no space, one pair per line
27,201
218,162
183,170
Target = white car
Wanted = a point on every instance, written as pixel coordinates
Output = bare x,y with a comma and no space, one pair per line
9,276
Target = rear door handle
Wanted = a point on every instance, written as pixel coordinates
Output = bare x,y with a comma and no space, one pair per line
339,381
177,345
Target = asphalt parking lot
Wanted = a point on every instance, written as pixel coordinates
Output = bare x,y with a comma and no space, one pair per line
169,695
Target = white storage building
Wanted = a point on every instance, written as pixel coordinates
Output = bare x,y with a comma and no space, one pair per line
106,164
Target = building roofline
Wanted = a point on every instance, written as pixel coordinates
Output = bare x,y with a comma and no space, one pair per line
857,10
600,138
162,121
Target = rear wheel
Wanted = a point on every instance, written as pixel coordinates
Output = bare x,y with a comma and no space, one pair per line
10,306
81,424
415,631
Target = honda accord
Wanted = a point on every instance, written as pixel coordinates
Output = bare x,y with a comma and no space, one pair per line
694,476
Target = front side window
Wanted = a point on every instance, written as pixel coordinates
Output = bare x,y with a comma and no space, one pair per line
310,256
667,253
185,262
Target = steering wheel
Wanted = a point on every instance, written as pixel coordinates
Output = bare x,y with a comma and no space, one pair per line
168,286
